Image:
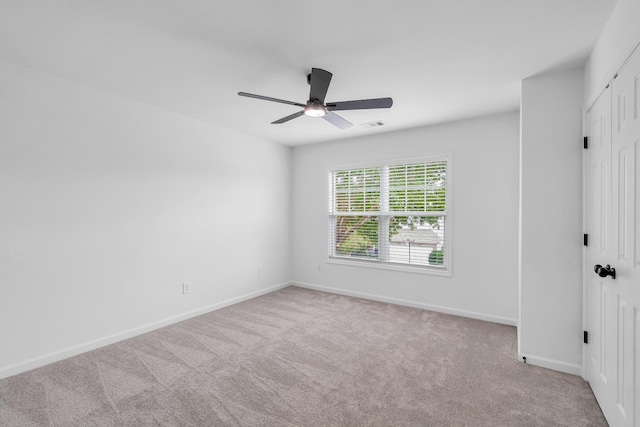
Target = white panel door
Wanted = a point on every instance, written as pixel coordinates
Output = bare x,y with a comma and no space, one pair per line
625,157
599,250
614,211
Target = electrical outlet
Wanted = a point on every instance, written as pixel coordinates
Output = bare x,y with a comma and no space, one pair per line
186,288
259,271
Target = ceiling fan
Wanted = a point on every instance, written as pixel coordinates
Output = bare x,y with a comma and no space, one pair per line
315,107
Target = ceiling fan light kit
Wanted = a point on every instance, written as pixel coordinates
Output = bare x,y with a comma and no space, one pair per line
315,107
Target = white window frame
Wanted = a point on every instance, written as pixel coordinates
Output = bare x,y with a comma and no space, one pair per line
385,265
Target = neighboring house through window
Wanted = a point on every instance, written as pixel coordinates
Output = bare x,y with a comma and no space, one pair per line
393,214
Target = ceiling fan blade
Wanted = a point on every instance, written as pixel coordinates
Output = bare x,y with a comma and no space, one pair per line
337,121
319,82
267,98
286,119
362,104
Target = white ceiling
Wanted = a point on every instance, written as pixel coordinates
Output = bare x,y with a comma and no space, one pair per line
438,60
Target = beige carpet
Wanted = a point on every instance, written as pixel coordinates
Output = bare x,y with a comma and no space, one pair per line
297,357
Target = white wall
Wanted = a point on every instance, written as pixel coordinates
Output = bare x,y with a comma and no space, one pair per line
619,36
550,330
108,205
484,210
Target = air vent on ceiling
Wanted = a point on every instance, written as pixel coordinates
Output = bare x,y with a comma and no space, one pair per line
375,124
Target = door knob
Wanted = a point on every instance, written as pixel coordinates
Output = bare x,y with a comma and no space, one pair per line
605,271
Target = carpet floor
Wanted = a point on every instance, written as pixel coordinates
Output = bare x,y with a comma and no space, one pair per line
297,357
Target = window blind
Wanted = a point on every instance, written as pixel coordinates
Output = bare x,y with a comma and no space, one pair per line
394,214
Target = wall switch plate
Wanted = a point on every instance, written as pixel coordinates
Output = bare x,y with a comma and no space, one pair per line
259,271
319,268
186,288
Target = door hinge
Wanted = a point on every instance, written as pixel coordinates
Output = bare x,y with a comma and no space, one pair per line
585,141
585,337
586,239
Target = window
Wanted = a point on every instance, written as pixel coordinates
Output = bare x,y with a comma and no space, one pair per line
394,214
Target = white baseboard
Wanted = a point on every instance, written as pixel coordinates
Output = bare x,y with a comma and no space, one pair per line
556,365
430,307
55,356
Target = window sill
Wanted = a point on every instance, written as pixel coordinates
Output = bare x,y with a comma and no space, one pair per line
434,271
